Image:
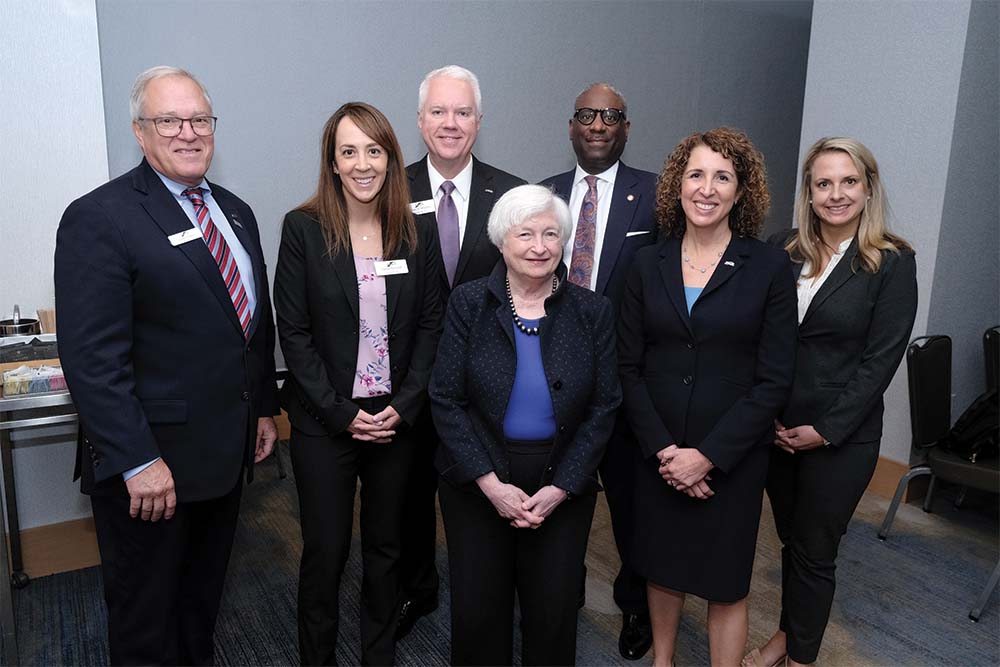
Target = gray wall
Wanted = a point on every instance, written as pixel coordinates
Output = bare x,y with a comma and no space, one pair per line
277,71
964,301
888,73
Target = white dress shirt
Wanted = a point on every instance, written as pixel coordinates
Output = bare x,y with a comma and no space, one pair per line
605,187
460,195
807,287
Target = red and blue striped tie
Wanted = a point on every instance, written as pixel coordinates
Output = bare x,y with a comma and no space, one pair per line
223,257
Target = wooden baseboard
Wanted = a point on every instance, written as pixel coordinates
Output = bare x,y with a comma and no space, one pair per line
886,478
59,547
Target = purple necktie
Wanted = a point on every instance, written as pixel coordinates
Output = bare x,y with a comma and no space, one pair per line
582,263
447,222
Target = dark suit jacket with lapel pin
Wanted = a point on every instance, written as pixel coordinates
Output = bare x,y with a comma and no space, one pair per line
631,224
153,352
477,255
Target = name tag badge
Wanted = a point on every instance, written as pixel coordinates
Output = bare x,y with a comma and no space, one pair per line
183,237
391,267
421,207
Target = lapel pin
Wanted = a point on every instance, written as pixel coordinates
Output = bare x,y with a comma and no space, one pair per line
728,263
489,191
630,198
236,221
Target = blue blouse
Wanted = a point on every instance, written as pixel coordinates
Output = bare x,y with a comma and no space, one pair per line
691,295
529,413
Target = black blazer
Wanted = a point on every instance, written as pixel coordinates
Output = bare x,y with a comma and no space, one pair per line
631,224
851,341
478,255
149,340
316,301
716,379
474,375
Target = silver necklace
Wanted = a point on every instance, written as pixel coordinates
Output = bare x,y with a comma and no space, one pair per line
528,331
687,260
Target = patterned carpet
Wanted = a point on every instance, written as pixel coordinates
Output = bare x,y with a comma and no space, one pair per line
902,602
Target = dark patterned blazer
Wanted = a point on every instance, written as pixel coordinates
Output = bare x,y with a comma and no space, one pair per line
474,375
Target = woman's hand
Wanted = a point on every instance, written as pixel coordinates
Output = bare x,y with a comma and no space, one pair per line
365,426
508,500
543,502
684,468
797,439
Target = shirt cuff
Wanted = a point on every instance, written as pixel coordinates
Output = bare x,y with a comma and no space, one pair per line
129,474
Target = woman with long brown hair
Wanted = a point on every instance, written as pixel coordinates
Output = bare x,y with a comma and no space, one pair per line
359,316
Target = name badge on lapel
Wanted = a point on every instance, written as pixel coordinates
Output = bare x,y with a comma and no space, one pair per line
391,267
183,237
421,207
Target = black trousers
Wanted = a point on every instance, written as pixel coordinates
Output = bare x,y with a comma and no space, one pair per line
163,581
813,495
327,470
489,560
617,476
418,575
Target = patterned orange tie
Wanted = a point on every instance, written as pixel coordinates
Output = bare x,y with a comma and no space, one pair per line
582,264
223,257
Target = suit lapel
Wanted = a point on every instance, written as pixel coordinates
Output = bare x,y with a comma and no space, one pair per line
840,275
673,279
420,182
624,203
343,265
394,286
481,198
729,264
171,219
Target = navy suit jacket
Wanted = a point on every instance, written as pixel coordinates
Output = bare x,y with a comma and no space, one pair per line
478,255
633,211
716,378
153,352
851,341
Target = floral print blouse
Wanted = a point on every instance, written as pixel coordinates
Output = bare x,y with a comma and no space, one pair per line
372,377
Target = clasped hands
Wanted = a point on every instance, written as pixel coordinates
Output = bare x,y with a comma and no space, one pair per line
379,427
512,503
797,438
686,470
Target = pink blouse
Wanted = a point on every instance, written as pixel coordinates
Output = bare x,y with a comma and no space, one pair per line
372,377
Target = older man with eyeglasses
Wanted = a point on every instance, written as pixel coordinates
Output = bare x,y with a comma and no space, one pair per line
612,207
167,341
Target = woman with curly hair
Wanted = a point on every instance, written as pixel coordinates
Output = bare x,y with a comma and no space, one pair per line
707,354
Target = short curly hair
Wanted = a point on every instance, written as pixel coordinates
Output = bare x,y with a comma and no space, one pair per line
747,216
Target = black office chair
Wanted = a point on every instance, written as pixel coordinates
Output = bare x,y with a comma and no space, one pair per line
928,365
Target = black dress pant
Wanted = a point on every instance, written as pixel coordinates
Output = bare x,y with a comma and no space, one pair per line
618,478
418,575
489,560
327,470
163,581
813,495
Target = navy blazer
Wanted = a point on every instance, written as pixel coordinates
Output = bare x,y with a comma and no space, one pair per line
474,375
631,224
150,343
717,378
316,299
478,254
851,340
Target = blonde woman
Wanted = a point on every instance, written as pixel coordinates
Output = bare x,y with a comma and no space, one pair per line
857,298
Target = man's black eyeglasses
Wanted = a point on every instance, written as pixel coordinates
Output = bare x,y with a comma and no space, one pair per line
609,116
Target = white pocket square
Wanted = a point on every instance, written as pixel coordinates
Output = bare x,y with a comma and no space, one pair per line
628,234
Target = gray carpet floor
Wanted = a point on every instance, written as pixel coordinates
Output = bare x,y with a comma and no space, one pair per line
900,602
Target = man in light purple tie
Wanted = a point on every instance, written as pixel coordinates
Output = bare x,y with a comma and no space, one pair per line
457,191
612,207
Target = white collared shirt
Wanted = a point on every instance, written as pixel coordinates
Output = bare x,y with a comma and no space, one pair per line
807,287
605,187
460,195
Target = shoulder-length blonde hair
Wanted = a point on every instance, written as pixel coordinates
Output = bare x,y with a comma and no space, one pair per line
747,216
873,230
328,205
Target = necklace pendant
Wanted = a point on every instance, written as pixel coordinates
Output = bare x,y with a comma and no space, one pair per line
703,270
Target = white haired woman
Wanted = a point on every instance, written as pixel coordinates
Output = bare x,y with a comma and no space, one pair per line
523,394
